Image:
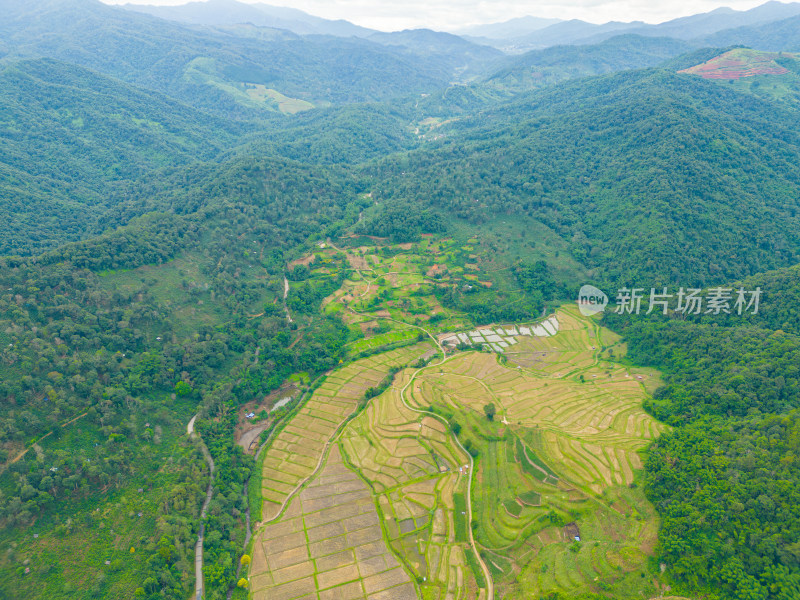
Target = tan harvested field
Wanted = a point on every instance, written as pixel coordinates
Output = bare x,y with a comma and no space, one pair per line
297,449
328,545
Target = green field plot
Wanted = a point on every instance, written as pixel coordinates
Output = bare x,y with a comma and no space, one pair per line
416,470
285,104
390,283
397,282
398,336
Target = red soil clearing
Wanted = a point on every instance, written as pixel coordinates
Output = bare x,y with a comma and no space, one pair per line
735,65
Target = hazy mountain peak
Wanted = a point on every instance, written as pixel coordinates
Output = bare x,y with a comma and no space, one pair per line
232,12
504,30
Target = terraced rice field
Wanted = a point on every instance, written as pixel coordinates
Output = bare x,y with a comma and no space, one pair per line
416,472
386,517
572,349
328,545
563,448
296,451
592,427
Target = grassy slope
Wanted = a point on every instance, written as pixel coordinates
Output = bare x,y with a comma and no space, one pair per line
67,547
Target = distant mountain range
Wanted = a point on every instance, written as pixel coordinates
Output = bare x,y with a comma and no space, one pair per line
237,70
512,28
458,52
245,60
580,32
231,12
775,36
513,36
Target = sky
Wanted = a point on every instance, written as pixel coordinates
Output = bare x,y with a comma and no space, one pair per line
444,15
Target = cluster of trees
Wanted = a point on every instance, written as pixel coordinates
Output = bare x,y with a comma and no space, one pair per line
340,135
778,310
725,481
485,306
307,296
225,522
728,492
717,370
404,223
169,564
321,348
537,280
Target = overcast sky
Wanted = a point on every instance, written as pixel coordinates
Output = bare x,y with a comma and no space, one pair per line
393,15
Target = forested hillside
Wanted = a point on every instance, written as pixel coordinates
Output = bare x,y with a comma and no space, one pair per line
129,334
648,173
71,139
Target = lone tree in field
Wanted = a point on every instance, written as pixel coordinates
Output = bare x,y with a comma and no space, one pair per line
490,411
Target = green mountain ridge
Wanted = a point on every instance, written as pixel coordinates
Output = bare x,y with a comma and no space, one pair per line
630,167
71,137
164,56
541,68
230,12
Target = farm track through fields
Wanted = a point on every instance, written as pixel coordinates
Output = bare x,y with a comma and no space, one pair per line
285,295
468,496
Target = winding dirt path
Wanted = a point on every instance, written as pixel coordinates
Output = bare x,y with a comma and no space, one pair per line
285,295
198,547
19,456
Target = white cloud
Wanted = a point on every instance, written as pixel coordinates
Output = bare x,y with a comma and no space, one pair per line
449,14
